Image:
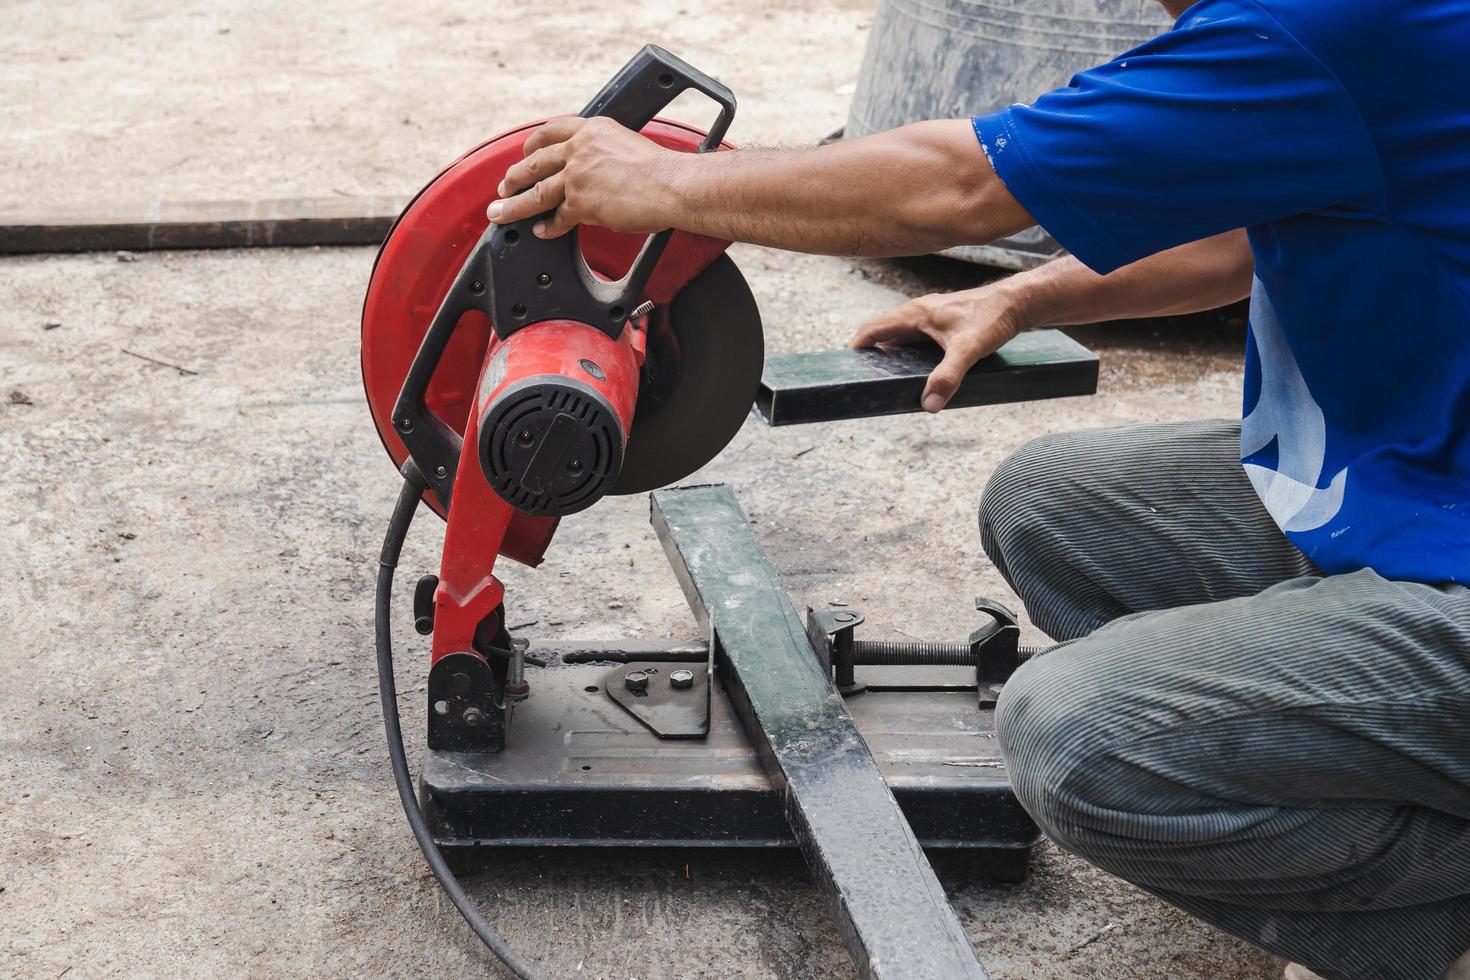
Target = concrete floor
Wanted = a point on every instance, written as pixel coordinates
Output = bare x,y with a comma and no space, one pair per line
191,766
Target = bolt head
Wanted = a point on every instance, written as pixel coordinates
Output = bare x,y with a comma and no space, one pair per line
473,717
681,679
844,617
636,680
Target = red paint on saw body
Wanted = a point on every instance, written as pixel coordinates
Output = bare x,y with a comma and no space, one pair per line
423,253
468,591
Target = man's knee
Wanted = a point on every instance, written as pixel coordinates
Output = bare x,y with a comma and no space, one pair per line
1025,487
1059,721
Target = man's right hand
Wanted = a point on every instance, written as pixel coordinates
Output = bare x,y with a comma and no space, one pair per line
969,325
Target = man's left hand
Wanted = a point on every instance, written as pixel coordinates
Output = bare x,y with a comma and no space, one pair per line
969,325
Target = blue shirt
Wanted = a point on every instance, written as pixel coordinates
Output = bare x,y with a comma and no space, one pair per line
1338,133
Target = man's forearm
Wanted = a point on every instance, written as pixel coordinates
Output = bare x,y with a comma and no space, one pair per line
1199,276
911,190
908,191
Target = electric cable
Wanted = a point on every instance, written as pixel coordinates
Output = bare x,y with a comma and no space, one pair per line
403,511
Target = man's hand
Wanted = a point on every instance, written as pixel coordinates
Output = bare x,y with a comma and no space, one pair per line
972,324
969,325
590,172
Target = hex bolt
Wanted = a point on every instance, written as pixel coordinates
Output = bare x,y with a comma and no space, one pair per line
543,279
681,679
516,688
844,617
441,471
473,717
636,680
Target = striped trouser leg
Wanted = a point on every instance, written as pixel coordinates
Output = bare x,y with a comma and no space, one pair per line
1090,526
1290,762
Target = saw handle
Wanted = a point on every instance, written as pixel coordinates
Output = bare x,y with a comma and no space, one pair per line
532,279
646,85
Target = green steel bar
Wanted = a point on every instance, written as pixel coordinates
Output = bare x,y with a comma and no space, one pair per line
885,899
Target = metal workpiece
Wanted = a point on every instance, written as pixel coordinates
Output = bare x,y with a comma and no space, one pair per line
888,904
827,386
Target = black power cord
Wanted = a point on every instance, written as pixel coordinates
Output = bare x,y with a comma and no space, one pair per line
403,511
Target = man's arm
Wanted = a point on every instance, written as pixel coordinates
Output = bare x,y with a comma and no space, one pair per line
974,323
916,189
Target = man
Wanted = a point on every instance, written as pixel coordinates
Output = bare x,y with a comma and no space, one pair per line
1259,707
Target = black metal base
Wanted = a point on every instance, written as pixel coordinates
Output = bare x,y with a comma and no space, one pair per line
580,771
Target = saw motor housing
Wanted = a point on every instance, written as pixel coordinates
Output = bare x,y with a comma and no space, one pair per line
555,408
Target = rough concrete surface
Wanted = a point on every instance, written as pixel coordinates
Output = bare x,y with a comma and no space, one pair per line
192,775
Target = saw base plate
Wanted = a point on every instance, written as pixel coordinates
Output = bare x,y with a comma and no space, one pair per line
580,771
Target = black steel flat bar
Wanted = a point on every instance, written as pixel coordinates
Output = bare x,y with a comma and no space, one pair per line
827,386
885,899
296,221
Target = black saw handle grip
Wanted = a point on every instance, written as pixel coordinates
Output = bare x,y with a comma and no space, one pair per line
645,86
531,279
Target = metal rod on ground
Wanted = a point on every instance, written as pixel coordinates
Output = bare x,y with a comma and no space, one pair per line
866,653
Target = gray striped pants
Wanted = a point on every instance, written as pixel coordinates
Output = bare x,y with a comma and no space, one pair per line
1284,754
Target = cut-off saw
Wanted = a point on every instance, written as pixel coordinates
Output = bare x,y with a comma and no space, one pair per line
515,381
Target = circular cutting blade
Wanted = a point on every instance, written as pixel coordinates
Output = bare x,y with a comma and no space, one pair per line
701,377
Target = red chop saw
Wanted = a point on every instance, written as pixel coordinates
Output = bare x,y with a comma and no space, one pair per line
527,378
515,380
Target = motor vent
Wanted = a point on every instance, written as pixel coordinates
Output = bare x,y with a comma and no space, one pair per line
551,446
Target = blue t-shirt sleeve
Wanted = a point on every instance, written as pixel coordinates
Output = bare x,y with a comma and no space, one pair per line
1224,122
